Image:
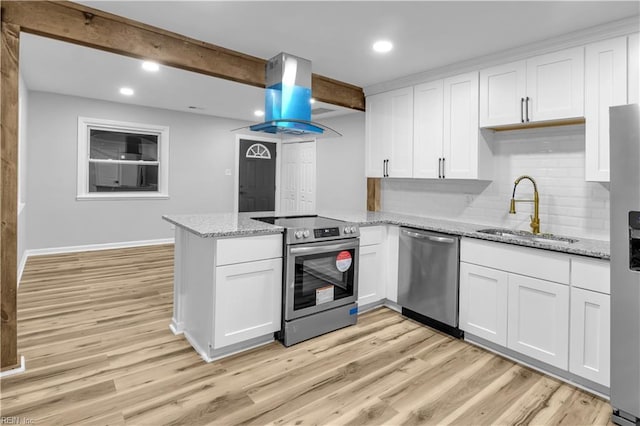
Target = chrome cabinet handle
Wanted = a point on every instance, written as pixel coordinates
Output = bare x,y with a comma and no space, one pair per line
441,239
428,237
522,110
439,168
443,160
325,248
527,108
413,234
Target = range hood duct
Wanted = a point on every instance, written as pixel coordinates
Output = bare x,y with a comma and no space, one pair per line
288,99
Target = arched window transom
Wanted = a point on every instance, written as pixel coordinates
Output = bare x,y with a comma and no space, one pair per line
257,150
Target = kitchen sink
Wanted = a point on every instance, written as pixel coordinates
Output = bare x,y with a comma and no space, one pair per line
528,236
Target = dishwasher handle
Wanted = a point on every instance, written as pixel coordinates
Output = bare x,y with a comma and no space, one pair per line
428,237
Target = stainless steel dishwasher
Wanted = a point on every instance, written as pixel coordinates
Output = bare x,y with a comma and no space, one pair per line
428,276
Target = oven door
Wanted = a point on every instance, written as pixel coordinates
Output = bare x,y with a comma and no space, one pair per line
320,276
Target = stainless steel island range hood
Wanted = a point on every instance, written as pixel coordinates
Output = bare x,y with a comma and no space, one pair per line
288,99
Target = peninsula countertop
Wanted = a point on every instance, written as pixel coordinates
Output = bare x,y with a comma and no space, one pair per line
213,225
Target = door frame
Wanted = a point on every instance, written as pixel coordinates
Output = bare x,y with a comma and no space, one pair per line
236,178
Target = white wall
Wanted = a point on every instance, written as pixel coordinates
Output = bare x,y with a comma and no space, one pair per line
554,157
23,102
201,148
342,184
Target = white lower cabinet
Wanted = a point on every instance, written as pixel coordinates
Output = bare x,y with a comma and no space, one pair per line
371,274
483,302
248,300
538,318
590,335
551,307
392,249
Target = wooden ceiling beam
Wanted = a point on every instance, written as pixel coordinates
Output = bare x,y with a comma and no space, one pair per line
75,23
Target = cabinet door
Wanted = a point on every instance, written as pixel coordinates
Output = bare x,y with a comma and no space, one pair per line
401,140
248,299
555,85
539,319
502,89
427,129
589,354
461,126
605,86
378,133
371,274
483,302
634,69
392,249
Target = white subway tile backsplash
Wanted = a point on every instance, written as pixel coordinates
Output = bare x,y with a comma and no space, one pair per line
554,157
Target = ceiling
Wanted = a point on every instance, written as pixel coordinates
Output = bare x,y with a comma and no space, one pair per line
54,66
335,35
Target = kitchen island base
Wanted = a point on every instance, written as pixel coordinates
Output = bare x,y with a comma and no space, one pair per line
227,288
212,354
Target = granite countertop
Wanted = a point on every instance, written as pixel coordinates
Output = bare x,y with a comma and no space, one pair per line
241,224
223,224
584,246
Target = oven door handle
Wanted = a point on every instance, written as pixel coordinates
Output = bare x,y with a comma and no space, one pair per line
323,248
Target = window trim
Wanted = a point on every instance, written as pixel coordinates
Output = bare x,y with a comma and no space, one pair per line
87,123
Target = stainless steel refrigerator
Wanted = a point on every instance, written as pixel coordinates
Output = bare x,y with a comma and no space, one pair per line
625,263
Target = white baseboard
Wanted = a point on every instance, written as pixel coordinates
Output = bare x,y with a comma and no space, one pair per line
94,247
23,261
17,370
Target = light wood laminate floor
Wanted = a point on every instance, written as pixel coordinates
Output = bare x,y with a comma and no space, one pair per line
94,330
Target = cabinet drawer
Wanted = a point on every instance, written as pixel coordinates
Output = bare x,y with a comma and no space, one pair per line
371,235
248,249
590,274
520,260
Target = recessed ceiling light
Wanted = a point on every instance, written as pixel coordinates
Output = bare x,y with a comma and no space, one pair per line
258,113
150,66
127,91
382,46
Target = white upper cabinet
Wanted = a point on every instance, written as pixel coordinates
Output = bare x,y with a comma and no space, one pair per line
634,69
400,159
605,86
377,131
460,153
389,134
446,140
543,88
427,129
501,94
555,85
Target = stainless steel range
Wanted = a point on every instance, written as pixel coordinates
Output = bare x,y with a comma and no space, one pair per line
320,277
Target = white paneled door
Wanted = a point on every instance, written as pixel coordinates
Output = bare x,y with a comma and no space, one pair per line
538,319
298,178
483,302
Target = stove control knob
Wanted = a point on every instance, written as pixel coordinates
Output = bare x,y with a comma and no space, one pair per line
347,230
298,235
353,229
306,233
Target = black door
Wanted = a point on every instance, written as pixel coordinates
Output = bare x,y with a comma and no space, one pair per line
257,173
